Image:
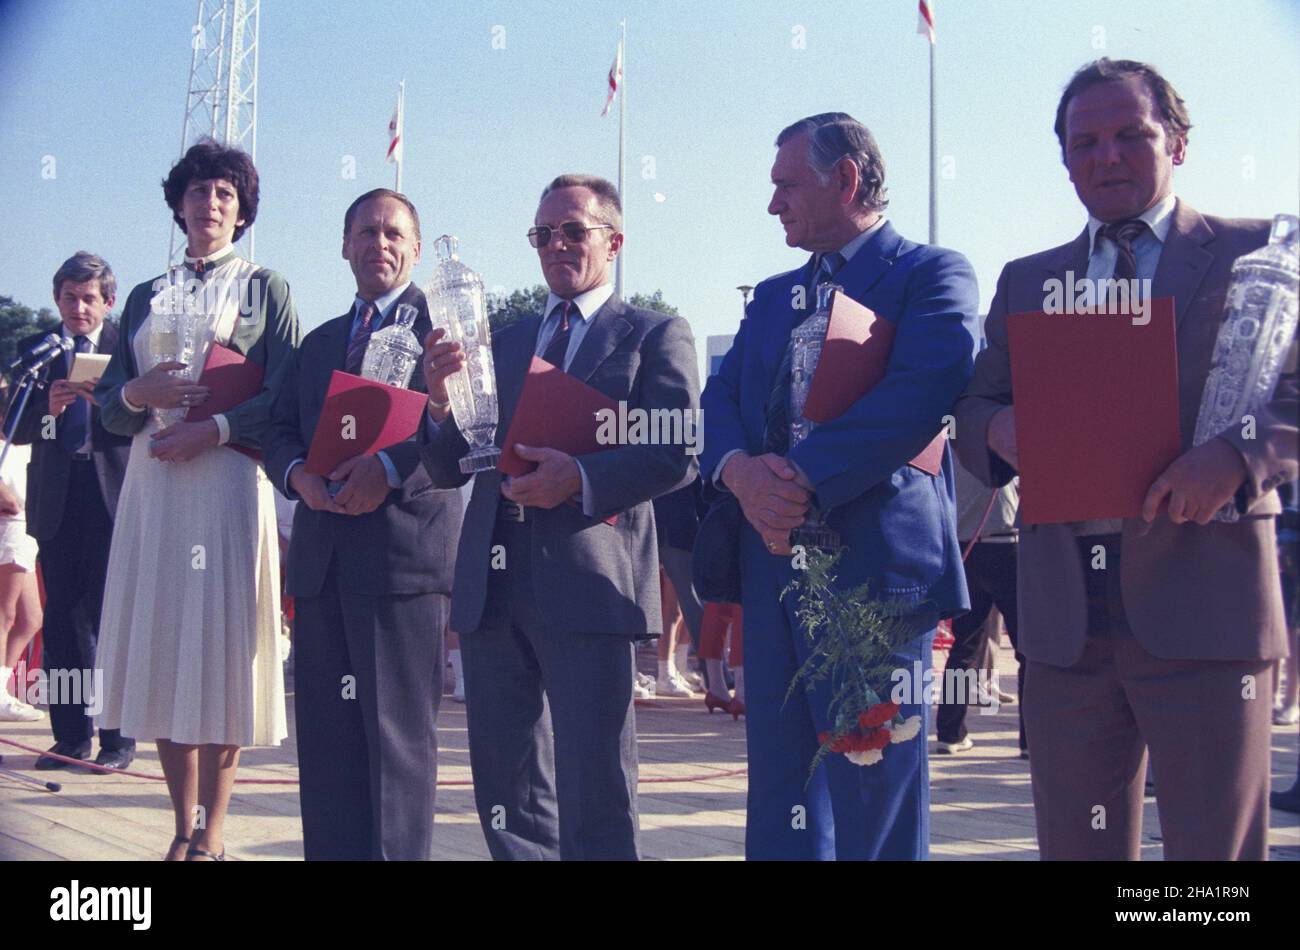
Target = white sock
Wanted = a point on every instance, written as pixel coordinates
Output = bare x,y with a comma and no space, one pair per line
682,657
456,669
739,674
717,679
666,670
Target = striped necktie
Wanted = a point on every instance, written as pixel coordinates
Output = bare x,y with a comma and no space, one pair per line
1124,233
558,347
360,340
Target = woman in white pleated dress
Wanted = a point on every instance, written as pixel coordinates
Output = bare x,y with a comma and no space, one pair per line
189,634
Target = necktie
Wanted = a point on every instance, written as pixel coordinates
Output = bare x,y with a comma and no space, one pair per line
776,429
76,418
1124,233
360,339
559,345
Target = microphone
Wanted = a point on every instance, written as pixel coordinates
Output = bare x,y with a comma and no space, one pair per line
43,353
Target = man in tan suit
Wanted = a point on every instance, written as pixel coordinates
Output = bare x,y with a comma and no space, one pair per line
1156,632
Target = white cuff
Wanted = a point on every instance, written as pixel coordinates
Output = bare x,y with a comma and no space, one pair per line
588,501
288,490
223,428
130,406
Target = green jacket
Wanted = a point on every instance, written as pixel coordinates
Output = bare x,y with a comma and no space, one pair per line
266,333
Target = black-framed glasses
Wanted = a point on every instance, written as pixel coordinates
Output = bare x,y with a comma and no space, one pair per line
574,233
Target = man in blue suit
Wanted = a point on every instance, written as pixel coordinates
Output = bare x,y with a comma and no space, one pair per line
896,521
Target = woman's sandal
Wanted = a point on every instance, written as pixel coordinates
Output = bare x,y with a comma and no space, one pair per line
193,853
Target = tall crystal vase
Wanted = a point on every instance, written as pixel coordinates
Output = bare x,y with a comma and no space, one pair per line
456,302
1258,330
807,341
174,330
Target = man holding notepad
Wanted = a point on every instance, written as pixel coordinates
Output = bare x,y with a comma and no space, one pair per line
72,489
1146,624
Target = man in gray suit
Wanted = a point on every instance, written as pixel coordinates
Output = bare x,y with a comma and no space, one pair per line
550,596
1156,633
370,568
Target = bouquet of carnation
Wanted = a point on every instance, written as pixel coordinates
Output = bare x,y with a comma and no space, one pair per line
854,639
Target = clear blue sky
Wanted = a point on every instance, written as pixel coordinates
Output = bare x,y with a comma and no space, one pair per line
100,87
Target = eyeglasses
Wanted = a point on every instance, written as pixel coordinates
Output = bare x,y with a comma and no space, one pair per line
574,233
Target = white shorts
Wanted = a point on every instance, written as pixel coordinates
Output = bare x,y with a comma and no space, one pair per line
16,545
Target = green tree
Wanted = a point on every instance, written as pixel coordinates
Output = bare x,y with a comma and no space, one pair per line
654,301
18,321
505,310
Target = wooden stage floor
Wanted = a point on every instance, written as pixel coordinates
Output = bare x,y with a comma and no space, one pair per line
982,808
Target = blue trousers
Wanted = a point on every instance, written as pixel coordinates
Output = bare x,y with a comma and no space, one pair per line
846,812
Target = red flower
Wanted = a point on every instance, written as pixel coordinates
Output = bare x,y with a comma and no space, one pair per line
875,739
878,715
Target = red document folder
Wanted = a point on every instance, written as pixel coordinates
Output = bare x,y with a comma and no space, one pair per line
1096,400
853,360
233,379
361,417
555,411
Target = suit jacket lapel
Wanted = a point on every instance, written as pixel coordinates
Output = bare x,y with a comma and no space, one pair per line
512,359
873,260
1184,261
607,330
1072,260
107,339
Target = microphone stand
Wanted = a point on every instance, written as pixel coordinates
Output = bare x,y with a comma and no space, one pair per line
28,381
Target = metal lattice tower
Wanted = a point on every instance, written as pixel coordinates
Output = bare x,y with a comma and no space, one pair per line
221,101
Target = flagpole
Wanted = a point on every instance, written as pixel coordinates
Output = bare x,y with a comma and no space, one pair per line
622,131
934,160
401,130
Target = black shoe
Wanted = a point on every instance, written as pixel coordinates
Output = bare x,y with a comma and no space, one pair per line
1288,800
109,759
72,750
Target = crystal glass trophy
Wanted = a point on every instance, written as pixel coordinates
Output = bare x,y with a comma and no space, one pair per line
456,302
1258,328
807,341
174,330
393,352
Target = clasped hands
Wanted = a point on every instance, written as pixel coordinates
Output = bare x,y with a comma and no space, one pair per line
1194,486
159,389
773,494
365,486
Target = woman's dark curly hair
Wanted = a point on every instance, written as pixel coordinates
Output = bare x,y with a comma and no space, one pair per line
208,160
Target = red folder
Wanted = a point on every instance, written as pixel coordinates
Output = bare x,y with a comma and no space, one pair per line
853,360
1096,400
361,417
233,379
555,411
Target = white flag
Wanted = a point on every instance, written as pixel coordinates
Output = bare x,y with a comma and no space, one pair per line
615,79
